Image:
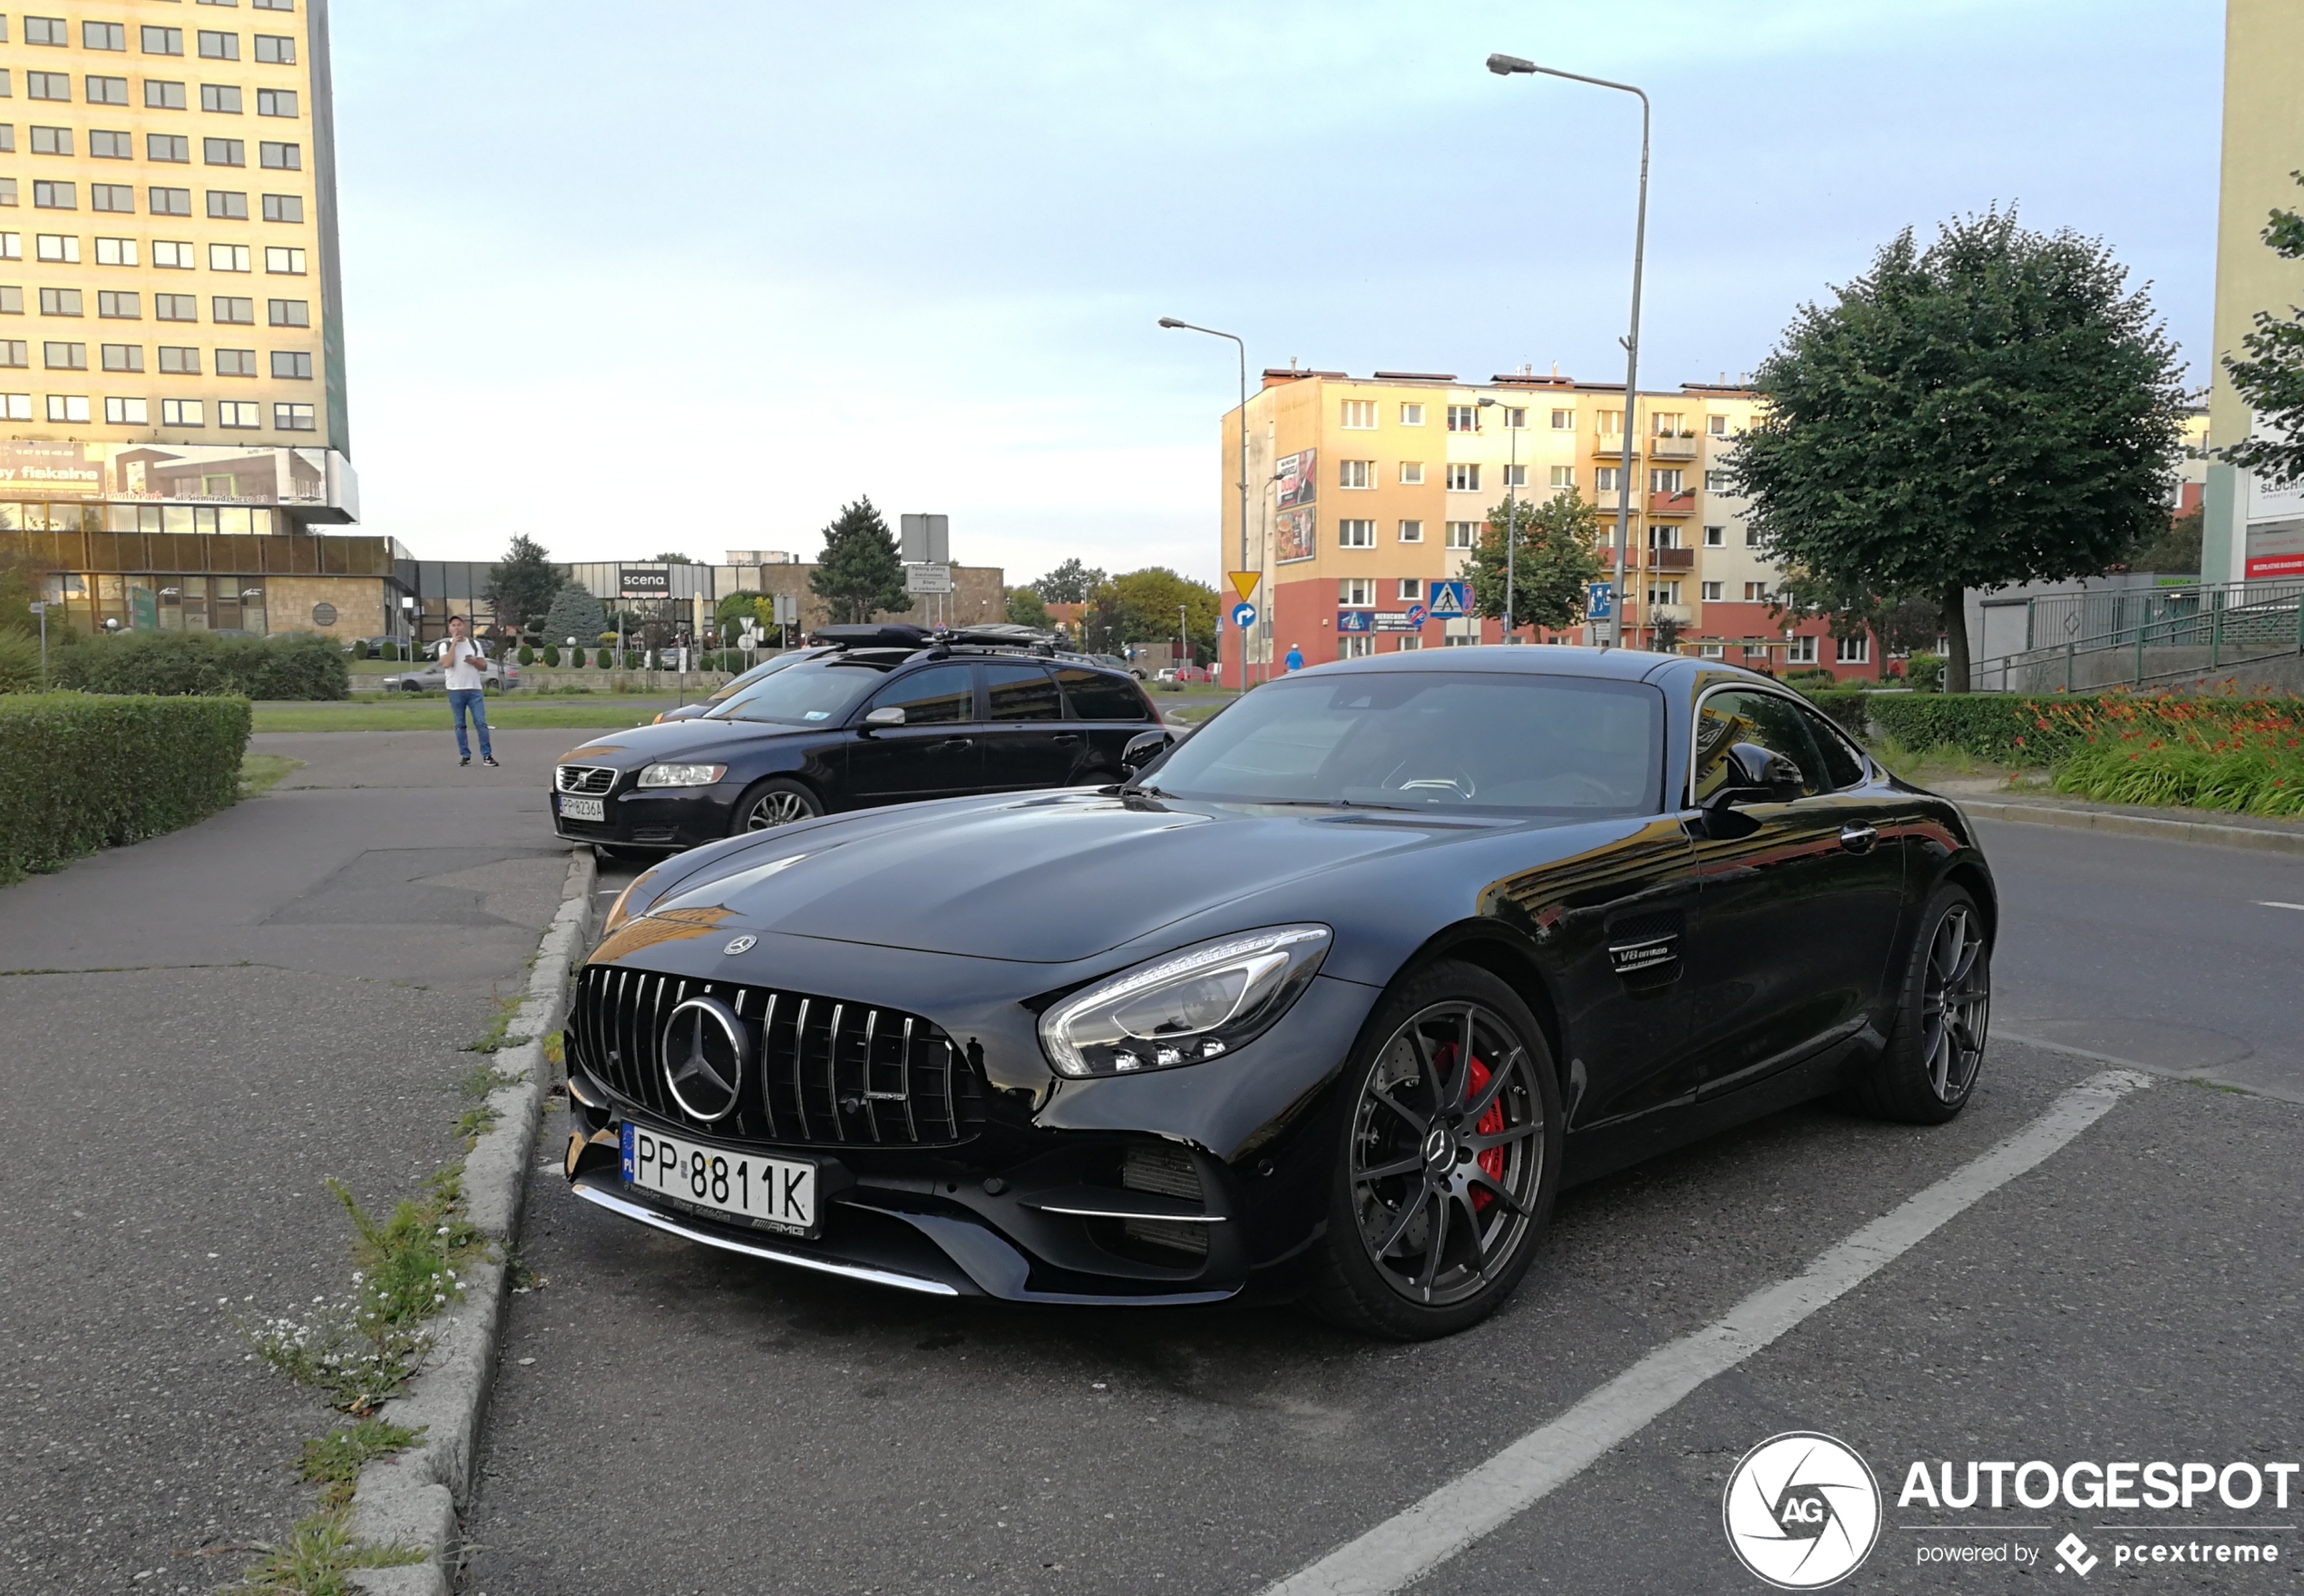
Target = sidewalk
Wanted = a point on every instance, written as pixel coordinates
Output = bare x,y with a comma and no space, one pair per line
198,1031
1986,798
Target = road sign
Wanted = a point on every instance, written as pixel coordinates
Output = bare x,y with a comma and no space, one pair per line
927,540
1356,620
1450,601
1600,601
784,609
1244,583
1244,616
928,578
1415,615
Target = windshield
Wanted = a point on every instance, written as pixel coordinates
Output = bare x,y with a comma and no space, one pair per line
1494,744
750,678
811,693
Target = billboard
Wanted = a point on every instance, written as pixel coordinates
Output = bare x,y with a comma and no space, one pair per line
1291,539
634,582
2275,549
192,473
1299,477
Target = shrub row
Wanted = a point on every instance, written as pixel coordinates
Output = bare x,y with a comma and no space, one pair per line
298,664
79,771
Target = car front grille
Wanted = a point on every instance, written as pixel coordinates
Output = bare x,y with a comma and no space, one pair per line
586,781
825,1072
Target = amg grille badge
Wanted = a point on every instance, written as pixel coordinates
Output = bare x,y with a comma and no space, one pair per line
1649,953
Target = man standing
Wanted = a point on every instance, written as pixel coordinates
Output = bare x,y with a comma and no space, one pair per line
1296,660
462,660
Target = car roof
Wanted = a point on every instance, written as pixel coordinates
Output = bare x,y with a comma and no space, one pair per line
1554,660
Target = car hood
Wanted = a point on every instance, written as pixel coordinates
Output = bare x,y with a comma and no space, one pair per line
1047,879
674,739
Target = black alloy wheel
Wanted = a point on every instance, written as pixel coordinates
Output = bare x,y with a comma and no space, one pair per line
1929,1068
1450,1158
776,802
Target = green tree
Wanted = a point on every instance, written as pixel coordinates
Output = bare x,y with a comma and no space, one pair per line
1070,583
734,611
2176,550
521,585
2273,378
1025,610
1995,408
574,613
860,572
674,559
1552,563
1143,607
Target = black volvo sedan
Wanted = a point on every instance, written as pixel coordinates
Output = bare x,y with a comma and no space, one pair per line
1325,1001
879,715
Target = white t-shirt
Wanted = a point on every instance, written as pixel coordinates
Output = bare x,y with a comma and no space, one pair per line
464,667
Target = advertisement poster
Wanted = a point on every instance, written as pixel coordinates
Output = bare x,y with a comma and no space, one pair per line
197,474
1299,477
1293,537
2275,549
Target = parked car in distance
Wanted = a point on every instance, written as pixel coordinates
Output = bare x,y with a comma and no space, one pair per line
1327,1001
881,715
496,676
737,684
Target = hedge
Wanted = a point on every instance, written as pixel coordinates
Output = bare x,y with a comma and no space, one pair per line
2014,729
298,665
79,771
1845,708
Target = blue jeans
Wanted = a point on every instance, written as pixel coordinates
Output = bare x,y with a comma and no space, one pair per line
474,700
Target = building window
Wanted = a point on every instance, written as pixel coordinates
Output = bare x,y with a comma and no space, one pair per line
1411,532
281,157
1460,533
126,412
68,407
1411,590
179,360
292,365
1751,537
118,306
175,306
162,41
276,48
226,205
1607,478
1355,534
273,5
18,405
1716,481
1465,476
1411,415
1355,474
11,300
51,141
1663,593
1409,643
60,301
289,312
159,95
292,418
1564,476
48,85
172,147
236,363
46,30
223,97
1667,479
1755,592
16,352
1412,473
1799,651
1360,414
123,357
1457,640
284,261
172,253
228,257
65,356
215,46
168,201
225,307
1716,537
182,412
11,246
1516,417
1712,651
283,208
1665,423
1516,476
63,247
238,412
224,151
1711,593
1717,425
1853,650
114,197
1355,647
275,101
1356,592
1463,418
99,90
1611,422
1564,421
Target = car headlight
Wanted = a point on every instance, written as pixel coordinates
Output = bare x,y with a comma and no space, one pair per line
1183,1008
681,775
621,909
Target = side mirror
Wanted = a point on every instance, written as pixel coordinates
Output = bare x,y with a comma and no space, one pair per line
887,715
1144,748
1757,776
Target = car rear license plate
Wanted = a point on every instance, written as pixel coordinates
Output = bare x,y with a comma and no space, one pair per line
583,809
778,1192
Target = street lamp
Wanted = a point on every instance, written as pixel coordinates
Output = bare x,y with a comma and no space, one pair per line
1511,512
1171,322
1505,66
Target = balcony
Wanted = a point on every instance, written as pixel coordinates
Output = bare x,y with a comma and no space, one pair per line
1609,499
1681,503
1664,447
1672,559
1610,446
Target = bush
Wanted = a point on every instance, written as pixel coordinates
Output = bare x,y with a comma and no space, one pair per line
1846,708
551,655
605,659
631,659
297,665
527,655
19,662
79,771
2013,729
1924,672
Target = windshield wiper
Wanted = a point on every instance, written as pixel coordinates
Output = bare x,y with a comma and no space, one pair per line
1131,790
1333,803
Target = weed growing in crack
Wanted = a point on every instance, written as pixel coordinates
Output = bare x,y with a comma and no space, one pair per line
332,1462
319,1557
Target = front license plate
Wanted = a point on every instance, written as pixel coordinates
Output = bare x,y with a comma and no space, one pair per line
779,1193
584,808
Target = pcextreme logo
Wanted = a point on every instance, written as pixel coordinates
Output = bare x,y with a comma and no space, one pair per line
1803,1511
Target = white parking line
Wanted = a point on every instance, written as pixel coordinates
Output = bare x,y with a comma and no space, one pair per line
2274,903
1409,1545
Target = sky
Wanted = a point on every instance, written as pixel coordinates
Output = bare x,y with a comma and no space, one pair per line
631,281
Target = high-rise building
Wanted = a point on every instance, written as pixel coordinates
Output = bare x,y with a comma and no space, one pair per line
1365,491
172,401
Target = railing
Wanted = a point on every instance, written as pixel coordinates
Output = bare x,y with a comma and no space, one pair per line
2142,636
1672,559
1665,447
1681,503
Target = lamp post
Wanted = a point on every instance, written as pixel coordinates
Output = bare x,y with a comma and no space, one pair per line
1511,512
39,608
1507,67
1171,322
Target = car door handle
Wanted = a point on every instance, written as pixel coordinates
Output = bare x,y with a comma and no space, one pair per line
1066,737
954,745
1859,839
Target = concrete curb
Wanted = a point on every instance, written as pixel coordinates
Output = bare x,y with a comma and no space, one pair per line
411,1500
2136,825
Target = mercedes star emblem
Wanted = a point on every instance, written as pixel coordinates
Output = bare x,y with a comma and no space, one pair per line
740,945
704,1047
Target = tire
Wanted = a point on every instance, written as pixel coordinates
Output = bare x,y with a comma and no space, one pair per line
776,802
1407,1177
1929,1070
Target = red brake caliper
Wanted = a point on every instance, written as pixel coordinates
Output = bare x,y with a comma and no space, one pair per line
1490,1124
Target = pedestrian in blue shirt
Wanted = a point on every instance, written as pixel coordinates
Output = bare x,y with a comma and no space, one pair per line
1296,660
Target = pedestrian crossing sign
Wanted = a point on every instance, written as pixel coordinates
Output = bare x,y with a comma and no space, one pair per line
1450,601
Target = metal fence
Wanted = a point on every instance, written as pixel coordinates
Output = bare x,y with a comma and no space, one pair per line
2080,642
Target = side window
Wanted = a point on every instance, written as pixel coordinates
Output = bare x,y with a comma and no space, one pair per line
1095,695
1841,768
943,695
1773,723
1022,692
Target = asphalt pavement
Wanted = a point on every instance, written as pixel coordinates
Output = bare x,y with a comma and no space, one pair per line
668,1419
198,1030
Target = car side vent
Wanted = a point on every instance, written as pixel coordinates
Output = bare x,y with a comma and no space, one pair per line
1167,1170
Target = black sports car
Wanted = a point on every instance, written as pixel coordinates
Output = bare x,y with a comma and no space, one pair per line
881,715
1327,999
